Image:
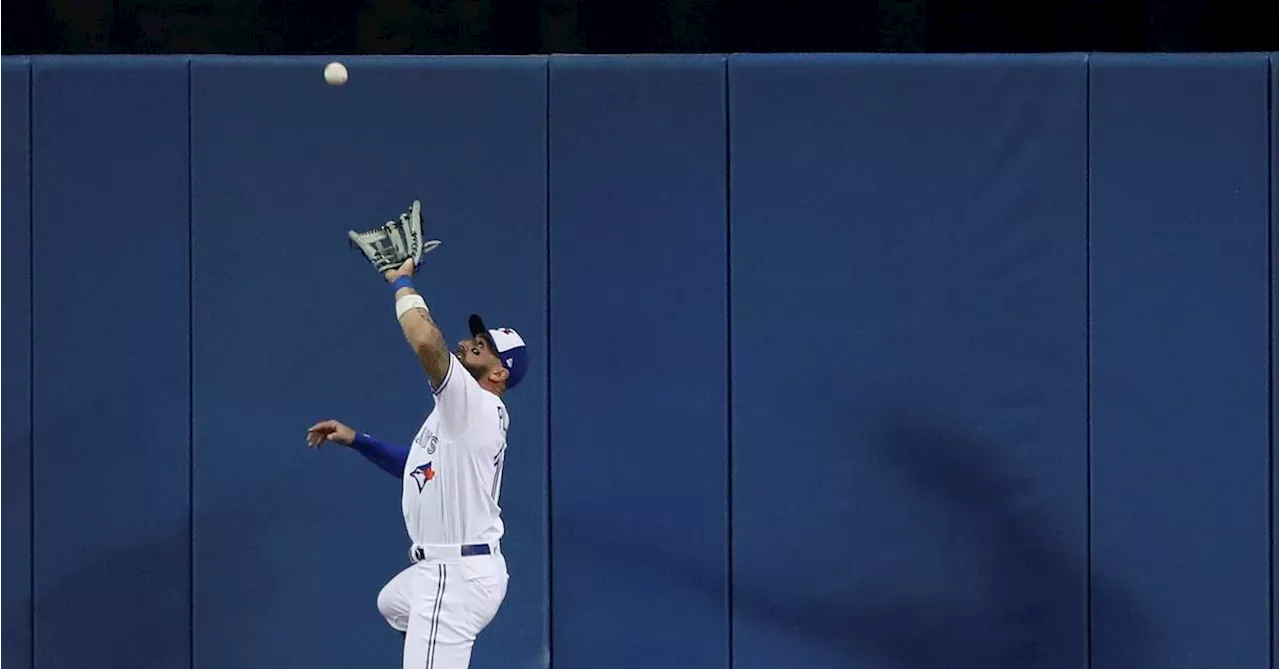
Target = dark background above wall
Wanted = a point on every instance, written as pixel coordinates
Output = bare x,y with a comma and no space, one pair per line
635,26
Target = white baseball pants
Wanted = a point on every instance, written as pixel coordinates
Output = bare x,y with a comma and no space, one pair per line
442,604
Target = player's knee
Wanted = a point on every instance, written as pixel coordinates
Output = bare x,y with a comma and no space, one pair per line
391,607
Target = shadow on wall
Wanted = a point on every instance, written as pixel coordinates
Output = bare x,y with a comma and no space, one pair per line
1025,573
104,608
128,606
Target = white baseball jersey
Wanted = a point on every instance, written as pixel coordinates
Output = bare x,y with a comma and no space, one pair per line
453,476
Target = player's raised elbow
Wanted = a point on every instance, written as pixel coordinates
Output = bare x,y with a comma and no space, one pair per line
434,358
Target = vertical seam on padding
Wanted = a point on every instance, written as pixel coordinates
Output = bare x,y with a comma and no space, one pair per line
1088,358
728,405
31,352
1271,357
191,381
547,384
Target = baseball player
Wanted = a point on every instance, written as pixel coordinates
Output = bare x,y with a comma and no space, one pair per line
452,477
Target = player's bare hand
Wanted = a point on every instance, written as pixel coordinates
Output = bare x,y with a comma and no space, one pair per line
405,269
329,430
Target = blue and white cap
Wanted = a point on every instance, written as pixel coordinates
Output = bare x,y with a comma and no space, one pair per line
509,346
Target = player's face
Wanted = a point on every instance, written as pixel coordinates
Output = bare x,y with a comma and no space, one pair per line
477,356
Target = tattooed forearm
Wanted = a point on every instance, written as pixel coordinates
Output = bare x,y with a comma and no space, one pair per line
426,340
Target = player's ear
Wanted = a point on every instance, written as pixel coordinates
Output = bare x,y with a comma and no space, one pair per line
499,374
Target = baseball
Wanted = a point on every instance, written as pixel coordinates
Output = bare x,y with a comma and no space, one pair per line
335,74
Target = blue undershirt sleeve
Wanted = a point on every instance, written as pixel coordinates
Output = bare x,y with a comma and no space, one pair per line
389,457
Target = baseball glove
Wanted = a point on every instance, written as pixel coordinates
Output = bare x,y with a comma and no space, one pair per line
416,244
388,246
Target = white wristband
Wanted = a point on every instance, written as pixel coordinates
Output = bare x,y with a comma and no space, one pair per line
408,302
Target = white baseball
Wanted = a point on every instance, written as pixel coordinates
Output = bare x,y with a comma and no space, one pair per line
335,74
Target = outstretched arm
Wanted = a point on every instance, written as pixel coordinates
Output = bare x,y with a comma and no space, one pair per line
389,457
420,330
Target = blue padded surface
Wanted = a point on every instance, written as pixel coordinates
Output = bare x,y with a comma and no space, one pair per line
638,298
908,351
16,375
1180,302
292,326
112,388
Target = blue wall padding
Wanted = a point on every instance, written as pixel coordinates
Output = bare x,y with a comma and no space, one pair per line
908,337
111,363
1179,370
638,334
1179,294
15,372
886,361
292,326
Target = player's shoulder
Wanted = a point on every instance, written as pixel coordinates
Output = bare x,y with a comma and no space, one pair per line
486,401
486,407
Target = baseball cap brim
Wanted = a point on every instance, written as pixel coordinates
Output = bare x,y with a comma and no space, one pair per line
476,324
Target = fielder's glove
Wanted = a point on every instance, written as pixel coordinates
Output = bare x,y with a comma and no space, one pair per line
417,245
388,246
